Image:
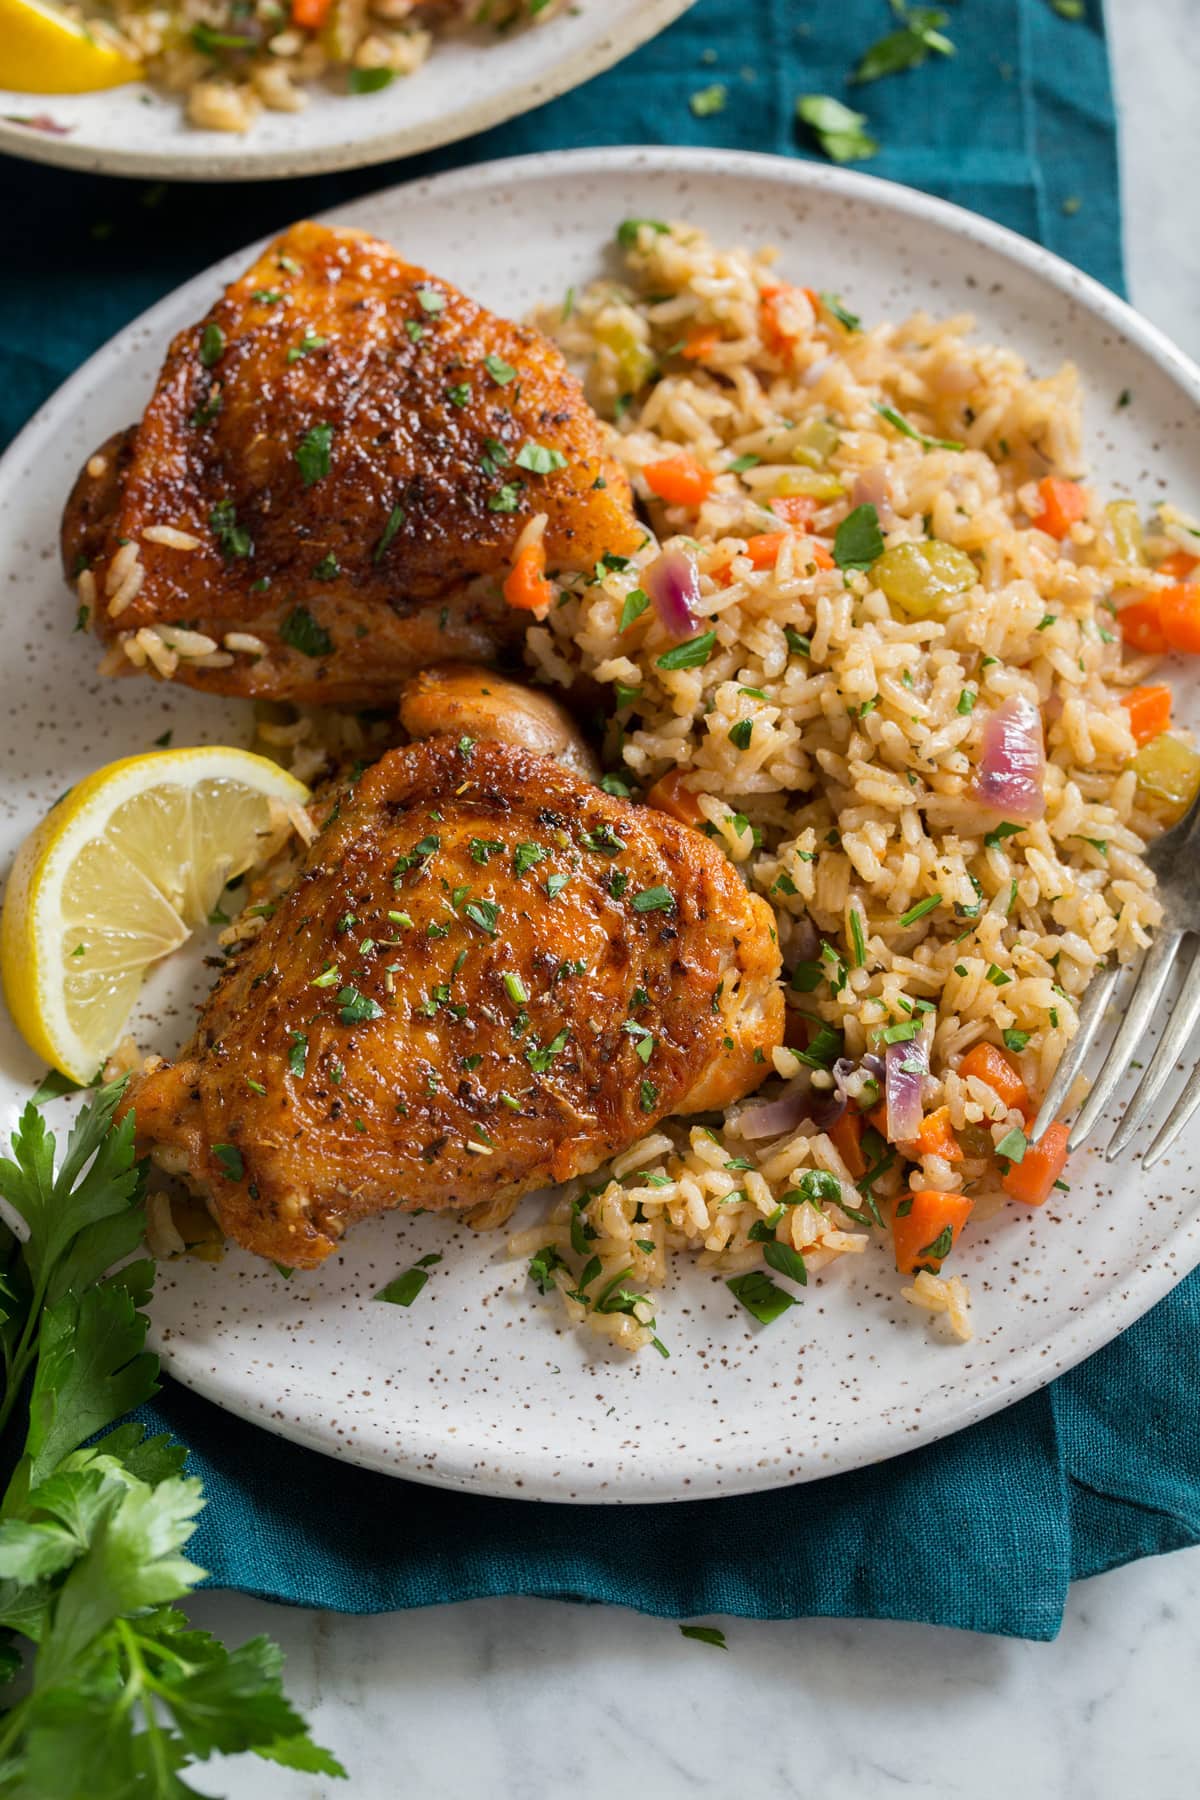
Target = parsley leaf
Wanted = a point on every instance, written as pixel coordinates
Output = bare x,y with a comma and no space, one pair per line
301,631
858,541
839,130
312,454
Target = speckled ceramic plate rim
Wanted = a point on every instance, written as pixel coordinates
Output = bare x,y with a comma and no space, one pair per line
238,160
1023,1371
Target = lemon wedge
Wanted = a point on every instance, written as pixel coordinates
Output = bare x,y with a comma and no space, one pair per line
117,875
43,51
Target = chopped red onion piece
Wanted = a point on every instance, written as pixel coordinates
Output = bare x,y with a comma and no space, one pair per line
1012,769
872,488
674,586
904,1071
777,1116
39,122
826,1109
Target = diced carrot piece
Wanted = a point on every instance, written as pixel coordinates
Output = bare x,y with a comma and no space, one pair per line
311,14
702,340
679,480
1032,1179
846,1137
526,587
878,1118
776,327
991,1065
1179,613
670,795
935,1137
793,509
1149,710
817,551
813,298
1141,625
927,1230
764,549
1063,504
1178,565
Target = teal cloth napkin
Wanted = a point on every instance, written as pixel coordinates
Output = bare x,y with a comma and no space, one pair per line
987,1529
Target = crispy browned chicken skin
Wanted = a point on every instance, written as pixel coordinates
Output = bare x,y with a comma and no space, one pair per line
354,447
453,1002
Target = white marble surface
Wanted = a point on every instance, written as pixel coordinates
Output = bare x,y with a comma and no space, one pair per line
526,1700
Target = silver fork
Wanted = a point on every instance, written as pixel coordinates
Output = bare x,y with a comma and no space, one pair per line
1175,860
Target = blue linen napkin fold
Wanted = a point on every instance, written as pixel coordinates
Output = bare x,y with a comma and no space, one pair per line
986,1529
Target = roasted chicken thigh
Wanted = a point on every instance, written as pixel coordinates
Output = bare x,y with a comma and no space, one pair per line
488,975
330,481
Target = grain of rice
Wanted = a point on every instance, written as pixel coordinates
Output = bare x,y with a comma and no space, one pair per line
171,537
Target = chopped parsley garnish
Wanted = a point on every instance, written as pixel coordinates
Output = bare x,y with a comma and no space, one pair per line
1016,1040
627,231
760,1296
1001,832
655,899
690,655
1013,1145
312,454
482,848
740,464
311,340
858,541
500,371
430,301
302,632
298,1053
525,856
555,885
483,914
234,539
506,499
709,100
543,1265
603,841
833,304
635,605
740,733
908,430
797,643
966,702
404,1290
705,1634
540,1058
785,1261
907,48
539,458
394,521
328,569
212,344
459,394
355,1007
837,128
647,1096
920,909
230,1159
369,81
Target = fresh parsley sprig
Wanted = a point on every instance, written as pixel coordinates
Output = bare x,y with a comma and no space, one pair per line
120,1693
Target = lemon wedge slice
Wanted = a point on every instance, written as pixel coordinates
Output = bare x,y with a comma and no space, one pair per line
43,51
117,875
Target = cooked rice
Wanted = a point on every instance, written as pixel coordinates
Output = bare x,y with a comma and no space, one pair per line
227,60
847,793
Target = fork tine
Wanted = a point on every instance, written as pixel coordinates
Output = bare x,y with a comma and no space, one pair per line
1177,1118
1178,1030
1091,1015
1144,998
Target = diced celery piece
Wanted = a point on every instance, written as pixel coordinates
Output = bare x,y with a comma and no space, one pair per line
635,359
923,579
1124,522
816,444
810,482
1169,768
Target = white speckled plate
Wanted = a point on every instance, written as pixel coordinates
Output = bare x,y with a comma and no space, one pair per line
471,81
477,1386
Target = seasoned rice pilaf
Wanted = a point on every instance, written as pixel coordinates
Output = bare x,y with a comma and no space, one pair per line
898,600
228,59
